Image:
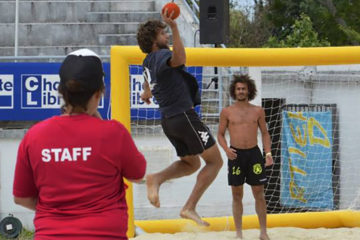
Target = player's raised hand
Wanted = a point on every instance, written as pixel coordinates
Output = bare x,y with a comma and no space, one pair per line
168,19
145,97
146,94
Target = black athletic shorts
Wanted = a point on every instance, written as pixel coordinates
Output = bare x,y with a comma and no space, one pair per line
188,134
249,167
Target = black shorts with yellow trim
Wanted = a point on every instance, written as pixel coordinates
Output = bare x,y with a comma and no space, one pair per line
249,167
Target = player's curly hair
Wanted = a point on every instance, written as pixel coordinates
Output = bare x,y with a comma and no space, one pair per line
243,79
147,33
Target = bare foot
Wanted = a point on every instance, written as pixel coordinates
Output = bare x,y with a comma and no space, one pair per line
264,236
192,215
239,235
152,190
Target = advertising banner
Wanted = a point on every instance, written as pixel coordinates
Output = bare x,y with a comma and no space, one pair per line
29,92
306,160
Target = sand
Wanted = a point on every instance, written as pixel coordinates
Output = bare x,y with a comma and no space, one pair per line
289,233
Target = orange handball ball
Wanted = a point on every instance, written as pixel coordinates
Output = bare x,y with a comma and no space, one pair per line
171,7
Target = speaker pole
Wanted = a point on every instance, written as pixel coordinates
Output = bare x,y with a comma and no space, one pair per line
216,78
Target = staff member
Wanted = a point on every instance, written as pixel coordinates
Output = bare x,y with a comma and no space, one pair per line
70,168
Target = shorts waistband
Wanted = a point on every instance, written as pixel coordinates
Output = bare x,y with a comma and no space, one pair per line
246,149
191,110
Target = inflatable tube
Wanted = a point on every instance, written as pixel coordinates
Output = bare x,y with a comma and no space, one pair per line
331,219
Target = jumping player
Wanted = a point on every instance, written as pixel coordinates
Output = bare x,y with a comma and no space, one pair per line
177,92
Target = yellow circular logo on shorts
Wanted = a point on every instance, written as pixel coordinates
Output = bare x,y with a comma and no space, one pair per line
257,168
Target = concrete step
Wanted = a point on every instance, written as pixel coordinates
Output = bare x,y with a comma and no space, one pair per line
122,16
67,11
62,33
52,50
12,1
117,39
122,6
40,11
56,27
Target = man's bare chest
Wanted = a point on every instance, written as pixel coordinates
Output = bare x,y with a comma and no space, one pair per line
243,118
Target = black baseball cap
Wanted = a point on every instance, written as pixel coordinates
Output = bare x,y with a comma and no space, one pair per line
84,66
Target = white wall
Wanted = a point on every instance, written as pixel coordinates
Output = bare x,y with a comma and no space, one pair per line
347,99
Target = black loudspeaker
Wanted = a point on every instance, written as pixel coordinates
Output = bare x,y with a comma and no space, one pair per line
10,227
214,21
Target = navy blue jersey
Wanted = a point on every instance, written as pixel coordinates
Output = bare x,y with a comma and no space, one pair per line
174,89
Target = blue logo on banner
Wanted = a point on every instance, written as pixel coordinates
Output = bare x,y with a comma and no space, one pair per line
40,91
6,91
29,91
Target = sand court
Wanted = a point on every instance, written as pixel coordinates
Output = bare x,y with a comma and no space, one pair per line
283,233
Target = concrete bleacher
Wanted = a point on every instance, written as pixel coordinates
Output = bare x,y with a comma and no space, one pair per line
56,27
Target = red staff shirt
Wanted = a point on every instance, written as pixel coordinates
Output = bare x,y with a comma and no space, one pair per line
75,166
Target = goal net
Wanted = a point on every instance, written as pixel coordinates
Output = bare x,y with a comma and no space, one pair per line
312,117
311,114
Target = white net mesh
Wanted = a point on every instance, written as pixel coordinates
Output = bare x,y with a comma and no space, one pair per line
318,165
312,115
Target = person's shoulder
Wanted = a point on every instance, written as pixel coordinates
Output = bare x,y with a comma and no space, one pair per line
114,126
42,124
157,56
162,53
40,127
227,110
148,58
257,108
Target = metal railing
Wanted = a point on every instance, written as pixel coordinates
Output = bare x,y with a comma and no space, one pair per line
16,37
194,9
36,58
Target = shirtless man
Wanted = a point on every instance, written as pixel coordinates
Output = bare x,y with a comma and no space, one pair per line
245,163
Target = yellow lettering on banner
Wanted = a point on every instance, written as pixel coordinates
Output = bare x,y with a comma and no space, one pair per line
299,139
308,130
297,151
297,115
312,122
296,192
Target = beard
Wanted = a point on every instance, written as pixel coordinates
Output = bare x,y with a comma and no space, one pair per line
162,46
241,98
